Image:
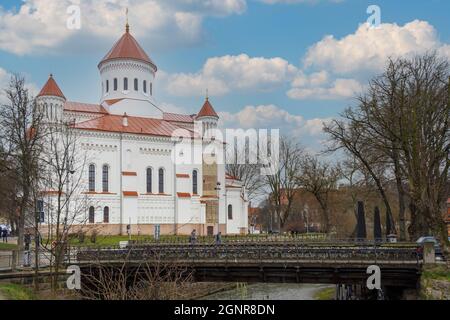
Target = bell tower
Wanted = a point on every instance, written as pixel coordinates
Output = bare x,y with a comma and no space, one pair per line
51,101
128,74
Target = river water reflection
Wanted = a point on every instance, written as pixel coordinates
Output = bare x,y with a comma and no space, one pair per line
270,291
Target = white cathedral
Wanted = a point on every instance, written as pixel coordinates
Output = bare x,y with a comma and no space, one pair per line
131,180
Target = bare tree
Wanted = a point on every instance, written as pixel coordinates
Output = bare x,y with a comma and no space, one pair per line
21,135
319,178
401,125
158,278
282,185
63,190
248,173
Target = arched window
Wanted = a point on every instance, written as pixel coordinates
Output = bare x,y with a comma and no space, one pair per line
230,212
136,84
105,178
115,84
151,88
195,182
91,215
92,178
161,180
149,180
106,215
125,84
144,85
107,86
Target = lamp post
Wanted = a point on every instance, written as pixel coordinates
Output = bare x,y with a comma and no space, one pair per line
217,188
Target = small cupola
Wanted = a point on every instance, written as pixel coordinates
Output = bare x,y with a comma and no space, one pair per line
125,120
207,116
51,101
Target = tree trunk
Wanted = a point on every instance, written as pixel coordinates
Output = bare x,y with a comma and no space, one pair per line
401,198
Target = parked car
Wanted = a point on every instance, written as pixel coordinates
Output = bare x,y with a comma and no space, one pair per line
437,247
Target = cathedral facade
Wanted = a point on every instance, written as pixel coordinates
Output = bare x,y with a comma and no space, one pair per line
133,181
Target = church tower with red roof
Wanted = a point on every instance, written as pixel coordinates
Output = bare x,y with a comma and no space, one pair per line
51,100
128,76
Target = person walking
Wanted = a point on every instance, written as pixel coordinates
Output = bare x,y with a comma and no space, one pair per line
5,235
193,237
219,238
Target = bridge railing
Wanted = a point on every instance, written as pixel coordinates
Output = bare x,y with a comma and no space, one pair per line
251,253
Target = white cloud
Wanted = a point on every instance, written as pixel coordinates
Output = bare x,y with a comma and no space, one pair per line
224,74
5,78
272,117
337,89
368,48
298,1
344,64
40,25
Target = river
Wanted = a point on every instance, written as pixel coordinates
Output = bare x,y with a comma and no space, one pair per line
270,291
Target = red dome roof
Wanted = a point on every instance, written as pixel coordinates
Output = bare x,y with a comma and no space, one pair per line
51,88
127,48
207,110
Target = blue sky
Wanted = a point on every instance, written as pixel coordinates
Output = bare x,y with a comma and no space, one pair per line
265,62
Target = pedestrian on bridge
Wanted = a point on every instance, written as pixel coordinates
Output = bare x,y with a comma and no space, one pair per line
219,238
5,235
193,237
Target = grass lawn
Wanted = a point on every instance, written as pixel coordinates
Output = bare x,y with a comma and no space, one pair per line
11,291
436,273
325,294
7,246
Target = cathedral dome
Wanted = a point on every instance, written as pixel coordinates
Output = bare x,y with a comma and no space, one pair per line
128,75
128,48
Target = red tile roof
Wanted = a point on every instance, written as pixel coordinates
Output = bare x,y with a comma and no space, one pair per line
136,125
207,110
113,101
51,88
175,117
127,48
84,107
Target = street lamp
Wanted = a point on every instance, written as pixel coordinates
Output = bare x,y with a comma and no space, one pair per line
217,188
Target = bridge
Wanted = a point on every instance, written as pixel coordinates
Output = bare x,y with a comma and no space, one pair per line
280,262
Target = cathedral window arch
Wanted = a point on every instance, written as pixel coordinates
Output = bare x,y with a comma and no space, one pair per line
195,182
149,177
115,84
136,84
105,178
230,212
161,175
125,84
144,85
92,177
107,86
106,215
91,214
151,88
